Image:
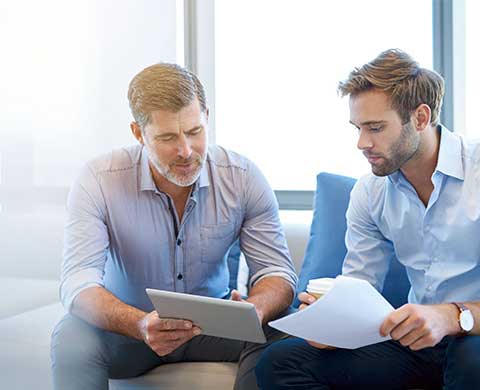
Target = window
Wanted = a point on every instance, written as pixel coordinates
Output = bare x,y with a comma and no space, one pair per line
472,65
277,66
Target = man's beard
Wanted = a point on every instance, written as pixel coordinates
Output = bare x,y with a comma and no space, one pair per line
179,179
401,151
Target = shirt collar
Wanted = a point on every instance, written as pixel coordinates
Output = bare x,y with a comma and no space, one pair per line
146,179
147,183
450,159
449,162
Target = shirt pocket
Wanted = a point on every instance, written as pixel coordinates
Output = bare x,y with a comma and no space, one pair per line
216,241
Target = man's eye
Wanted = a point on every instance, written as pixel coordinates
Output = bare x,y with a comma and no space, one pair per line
195,132
375,129
166,138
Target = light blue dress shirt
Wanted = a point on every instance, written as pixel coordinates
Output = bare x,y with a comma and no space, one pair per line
123,234
438,244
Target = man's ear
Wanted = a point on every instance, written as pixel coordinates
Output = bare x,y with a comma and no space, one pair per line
136,131
422,117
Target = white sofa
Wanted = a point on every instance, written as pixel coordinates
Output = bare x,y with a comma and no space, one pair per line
30,256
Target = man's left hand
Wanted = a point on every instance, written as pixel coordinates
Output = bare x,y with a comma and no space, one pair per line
236,296
421,326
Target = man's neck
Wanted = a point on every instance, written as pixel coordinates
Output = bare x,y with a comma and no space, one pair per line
419,170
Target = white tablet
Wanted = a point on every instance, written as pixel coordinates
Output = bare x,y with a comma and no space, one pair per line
215,316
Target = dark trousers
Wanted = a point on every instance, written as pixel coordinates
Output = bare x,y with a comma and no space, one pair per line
453,364
85,357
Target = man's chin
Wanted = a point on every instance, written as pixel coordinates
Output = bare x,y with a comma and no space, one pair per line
183,181
382,171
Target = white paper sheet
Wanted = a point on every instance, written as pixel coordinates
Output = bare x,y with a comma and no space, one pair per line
348,316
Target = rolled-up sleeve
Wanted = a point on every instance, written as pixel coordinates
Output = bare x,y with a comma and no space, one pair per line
368,252
262,238
85,238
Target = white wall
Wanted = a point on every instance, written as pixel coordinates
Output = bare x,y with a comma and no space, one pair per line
64,75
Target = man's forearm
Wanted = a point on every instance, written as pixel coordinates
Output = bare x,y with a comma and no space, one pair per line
101,308
271,296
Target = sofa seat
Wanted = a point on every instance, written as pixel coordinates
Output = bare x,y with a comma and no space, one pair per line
22,294
25,359
182,376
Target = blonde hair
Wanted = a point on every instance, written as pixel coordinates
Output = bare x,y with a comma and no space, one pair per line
163,87
399,76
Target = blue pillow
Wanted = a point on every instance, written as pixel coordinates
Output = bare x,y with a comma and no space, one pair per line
326,246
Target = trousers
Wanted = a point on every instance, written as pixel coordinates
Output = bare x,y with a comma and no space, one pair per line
453,364
85,357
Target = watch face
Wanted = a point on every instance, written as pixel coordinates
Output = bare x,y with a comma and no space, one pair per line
466,320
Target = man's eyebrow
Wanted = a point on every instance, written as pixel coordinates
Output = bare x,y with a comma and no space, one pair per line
369,123
170,133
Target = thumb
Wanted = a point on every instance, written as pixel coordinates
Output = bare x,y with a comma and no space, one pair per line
236,296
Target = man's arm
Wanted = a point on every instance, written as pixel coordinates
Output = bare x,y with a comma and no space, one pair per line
271,296
369,253
422,326
262,240
101,308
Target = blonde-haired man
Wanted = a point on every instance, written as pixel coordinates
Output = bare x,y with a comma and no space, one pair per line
421,204
163,214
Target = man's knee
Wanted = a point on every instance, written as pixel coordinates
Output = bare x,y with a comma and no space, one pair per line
463,362
76,343
278,360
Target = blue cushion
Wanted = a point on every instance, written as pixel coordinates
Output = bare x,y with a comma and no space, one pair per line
326,247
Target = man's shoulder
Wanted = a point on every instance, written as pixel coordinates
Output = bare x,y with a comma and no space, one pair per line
471,150
117,160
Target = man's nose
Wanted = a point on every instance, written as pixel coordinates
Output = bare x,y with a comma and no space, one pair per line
184,147
364,140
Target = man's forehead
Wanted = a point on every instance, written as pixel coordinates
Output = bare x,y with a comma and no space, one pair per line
371,107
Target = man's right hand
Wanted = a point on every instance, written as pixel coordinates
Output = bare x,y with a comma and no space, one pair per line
306,300
164,335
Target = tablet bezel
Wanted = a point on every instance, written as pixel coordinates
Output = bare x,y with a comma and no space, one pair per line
215,316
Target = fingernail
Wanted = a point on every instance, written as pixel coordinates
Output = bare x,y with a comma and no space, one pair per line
196,331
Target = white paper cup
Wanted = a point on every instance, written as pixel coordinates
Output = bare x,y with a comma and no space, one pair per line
319,287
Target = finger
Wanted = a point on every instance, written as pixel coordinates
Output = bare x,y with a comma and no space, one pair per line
394,319
236,296
412,337
412,325
173,324
306,298
174,335
423,342
302,306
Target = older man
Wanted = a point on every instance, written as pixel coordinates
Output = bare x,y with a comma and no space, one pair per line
163,214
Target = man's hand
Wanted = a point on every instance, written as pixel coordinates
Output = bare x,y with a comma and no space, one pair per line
306,300
164,335
421,326
236,296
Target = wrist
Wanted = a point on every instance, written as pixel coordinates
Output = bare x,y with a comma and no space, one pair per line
453,328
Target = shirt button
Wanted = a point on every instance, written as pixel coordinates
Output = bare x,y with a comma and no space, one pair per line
179,276
179,242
